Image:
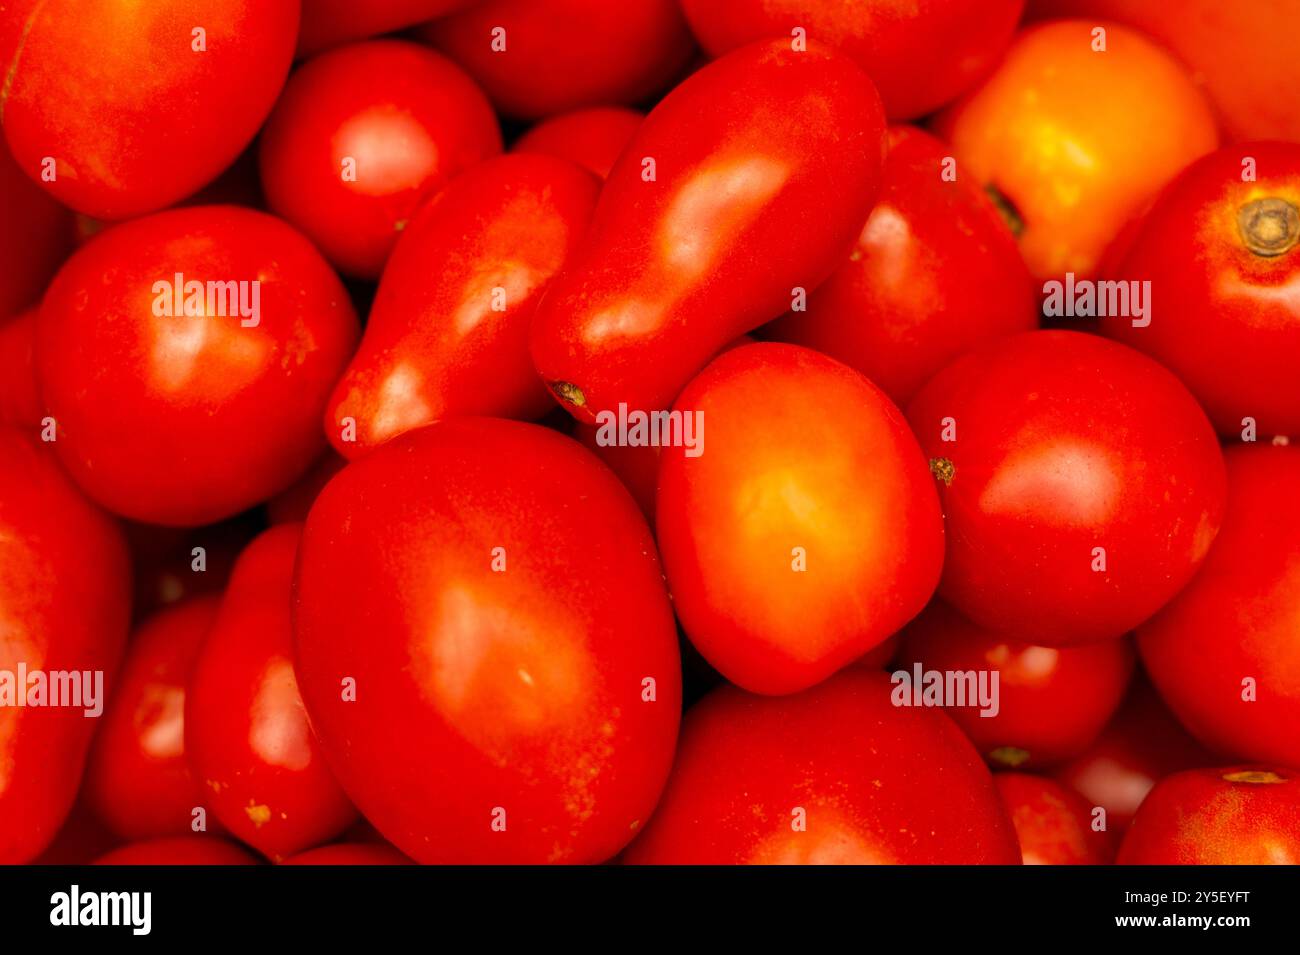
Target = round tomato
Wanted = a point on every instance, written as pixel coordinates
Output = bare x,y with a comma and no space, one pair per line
1053,824
593,138
180,850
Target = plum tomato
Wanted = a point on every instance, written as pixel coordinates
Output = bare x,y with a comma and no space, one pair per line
180,850
350,853
35,236
593,138
1053,824
327,23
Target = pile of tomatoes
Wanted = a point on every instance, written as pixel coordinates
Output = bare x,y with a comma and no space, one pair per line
321,323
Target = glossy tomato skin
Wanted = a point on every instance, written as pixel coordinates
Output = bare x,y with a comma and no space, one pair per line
1082,490
362,136
137,778
673,269
185,419
57,617
180,850
1053,823
1239,815
247,735
327,23
877,784
563,54
166,117
920,55
1237,620
448,332
935,272
20,400
1223,260
1051,703
35,236
519,689
593,138
344,853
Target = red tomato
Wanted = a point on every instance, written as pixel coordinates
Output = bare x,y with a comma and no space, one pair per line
137,778
448,332
1242,815
593,138
362,136
920,53
541,57
1051,703
35,236
246,732
934,273
835,774
294,504
1223,260
1082,485
186,418
344,853
180,850
327,23
802,530
140,104
716,244
65,600
1053,824
1224,653
20,400
478,610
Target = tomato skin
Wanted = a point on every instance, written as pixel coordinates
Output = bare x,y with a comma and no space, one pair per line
1239,618
20,400
593,138
880,784
1239,815
1052,703
344,853
1053,824
437,344
1223,317
503,681
35,236
935,272
247,735
563,54
1067,442
920,55
167,119
180,850
409,119
56,617
799,452
671,270
154,422
137,778
327,23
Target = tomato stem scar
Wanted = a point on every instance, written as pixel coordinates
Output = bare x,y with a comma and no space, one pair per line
1269,226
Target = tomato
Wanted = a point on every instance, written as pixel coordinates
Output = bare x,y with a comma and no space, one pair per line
1224,653
20,400
65,600
1082,485
537,58
1053,824
247,737
835,774
593,138
183,419
1241,815
180,850
327,23
672,269
344,853
637,466
1223,259
1076,141
448,332
362,136
294,503
920,53
489,588
801,529
1051,704
35,236
139,105
935,271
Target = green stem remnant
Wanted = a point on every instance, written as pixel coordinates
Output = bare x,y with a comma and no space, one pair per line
1269,226
568,391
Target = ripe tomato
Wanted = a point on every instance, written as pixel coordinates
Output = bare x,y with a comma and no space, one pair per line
835,774
919,54
20,400
802,530
448,332
35,236
1053,824
180,850
1075,140
140,104
137,777
1051,703
935,272
327,23
1224,653
714,244
593,138
537,58
364,134
1241,815
182,419
491,589
1081,483
1223,260
344,853
55,616
246,732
